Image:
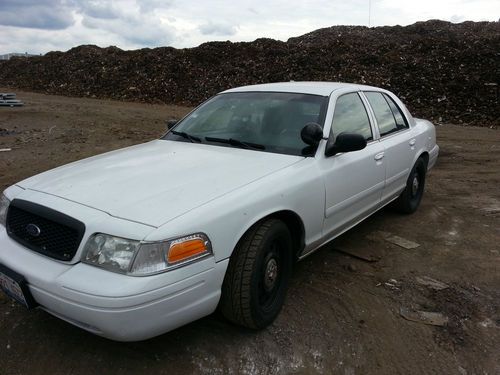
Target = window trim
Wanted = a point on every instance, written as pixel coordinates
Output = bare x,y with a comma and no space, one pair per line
371,116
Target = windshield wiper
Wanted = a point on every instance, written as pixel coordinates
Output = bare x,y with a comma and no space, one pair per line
192,138
237,143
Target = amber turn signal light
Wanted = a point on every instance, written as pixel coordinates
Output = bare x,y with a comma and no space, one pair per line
185,250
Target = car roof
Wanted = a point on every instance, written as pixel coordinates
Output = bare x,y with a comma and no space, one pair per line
312,87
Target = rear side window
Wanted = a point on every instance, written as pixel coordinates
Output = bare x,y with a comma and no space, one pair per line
350,116
383,113
398,115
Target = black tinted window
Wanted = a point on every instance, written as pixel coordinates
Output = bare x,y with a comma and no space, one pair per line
383,113
350,116
398,115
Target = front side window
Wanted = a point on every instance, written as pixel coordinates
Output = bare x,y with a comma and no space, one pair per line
350,117
266,121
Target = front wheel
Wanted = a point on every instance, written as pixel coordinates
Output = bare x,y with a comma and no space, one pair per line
410,198
256,281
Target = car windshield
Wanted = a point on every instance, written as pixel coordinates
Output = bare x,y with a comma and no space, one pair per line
262,121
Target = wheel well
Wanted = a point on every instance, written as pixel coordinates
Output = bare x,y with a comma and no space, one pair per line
425,155
295,226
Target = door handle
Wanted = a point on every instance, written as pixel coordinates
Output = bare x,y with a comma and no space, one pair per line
379,156
412,142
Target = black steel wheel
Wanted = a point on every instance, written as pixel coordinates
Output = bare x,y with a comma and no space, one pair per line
256,280
410,198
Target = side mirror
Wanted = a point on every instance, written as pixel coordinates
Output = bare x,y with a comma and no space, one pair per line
312,134
346,142
171,123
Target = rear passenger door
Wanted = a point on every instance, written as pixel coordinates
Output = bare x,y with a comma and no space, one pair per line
396,137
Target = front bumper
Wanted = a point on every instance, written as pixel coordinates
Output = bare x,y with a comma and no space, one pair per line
119,307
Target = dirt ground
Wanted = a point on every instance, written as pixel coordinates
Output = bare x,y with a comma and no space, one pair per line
343,314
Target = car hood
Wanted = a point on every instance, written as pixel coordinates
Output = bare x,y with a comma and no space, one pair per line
155,182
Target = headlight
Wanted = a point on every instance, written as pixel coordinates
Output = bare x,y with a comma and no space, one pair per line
112,253
4,206
144,258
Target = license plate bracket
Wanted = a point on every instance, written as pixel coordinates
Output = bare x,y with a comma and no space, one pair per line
15,286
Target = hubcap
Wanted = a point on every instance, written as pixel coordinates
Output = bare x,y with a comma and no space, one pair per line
414,186
270,274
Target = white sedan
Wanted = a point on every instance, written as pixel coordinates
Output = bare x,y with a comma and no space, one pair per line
136,242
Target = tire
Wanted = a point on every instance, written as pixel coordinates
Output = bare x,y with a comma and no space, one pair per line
256,281
409,200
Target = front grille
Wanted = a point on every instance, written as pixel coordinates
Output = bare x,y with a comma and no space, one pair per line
44,230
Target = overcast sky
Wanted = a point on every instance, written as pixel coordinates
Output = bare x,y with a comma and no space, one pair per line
39,26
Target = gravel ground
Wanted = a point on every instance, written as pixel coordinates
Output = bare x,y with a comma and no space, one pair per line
343,314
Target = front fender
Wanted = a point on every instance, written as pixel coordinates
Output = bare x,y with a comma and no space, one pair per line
225,220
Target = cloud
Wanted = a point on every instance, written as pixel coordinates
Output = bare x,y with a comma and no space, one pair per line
129,25
39,26
98,9
40,14
141,31
146,6
211,28
457,18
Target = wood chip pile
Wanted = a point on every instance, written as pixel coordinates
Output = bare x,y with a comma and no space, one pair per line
444,72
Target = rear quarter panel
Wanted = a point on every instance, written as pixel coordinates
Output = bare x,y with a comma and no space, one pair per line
426,140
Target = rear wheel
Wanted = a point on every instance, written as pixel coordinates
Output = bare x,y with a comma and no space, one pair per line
256,280
410,198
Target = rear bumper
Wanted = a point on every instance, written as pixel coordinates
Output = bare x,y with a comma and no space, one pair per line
119,307
433,155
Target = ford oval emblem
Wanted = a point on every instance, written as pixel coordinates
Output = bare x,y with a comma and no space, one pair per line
33,230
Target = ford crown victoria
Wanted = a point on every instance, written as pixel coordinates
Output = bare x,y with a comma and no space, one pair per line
136,242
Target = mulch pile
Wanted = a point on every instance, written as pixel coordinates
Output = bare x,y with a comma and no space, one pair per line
444,72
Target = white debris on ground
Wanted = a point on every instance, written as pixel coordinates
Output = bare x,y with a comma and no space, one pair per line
402,242
488,323
393,284
8,99
431,283
424,317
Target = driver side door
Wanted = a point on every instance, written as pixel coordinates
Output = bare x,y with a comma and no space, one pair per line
353,180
